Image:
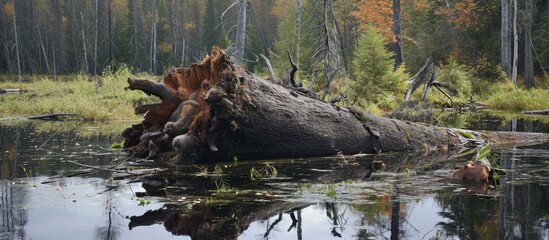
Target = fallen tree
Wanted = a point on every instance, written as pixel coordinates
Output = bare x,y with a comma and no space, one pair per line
216,111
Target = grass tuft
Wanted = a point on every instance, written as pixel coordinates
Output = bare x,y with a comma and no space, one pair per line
98,98
508,97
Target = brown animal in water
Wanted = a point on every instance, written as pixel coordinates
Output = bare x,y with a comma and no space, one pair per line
478,171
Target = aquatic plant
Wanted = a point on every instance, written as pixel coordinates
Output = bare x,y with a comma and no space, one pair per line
266,171
221,183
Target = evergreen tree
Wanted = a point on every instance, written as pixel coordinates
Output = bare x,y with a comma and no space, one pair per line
374,79
211,35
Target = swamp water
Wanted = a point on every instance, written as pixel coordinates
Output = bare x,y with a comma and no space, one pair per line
57,182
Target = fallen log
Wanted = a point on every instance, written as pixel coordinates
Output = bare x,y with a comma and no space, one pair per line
538,112
217,111
53,116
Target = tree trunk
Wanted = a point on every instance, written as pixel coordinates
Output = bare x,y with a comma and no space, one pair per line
298,29
16,44
505,38
95,40
399,59
44,51
84,45
515,43
110,35
5,45
59,44
240,32
528,58
153,38
341,46
172,30
222,111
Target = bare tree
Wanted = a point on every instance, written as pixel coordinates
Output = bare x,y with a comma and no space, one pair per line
528,58
59,47
399,59
515,43
95,40
299,6
505,38
44,50
16,44
172,30
240,32
110,33
153,38
326,44
84,44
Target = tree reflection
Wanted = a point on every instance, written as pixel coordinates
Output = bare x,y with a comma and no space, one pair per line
14,216
113,227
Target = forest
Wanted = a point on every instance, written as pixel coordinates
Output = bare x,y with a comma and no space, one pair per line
344,48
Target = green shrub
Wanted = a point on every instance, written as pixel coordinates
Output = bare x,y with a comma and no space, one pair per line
376,87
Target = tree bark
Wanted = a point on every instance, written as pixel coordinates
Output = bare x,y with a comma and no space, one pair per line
399,59
110,35
298,30
16,44
95,37
515,43
153,38
243,116
528,58
240,32
172,31
505,38
84,45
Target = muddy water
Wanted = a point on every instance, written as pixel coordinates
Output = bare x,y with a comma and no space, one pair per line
58,180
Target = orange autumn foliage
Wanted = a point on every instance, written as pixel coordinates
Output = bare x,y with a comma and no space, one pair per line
462,15
8,9
380,14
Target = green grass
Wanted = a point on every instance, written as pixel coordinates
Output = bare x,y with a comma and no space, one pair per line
76,94
505,96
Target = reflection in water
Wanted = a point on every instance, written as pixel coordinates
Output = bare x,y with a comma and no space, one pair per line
14,215
396,196
113,227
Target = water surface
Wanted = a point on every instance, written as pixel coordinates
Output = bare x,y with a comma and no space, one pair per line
57,182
